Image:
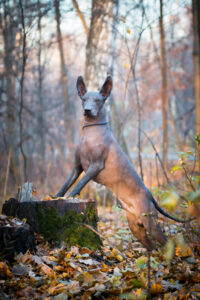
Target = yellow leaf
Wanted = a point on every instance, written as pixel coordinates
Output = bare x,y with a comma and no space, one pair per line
128,31
119,257
125,66
156,288
138,292
68,255
114,252
104,267
171,201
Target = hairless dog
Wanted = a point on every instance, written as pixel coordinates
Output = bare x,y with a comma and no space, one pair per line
100,156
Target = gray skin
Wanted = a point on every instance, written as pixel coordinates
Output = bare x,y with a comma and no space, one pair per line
100,156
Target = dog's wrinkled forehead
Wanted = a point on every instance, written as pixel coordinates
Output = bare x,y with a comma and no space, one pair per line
92,96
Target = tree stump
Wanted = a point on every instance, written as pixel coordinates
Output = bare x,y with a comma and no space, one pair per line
15,237
59,220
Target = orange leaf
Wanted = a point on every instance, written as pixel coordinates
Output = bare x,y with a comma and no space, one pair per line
129,254
156,288
4,270
47,198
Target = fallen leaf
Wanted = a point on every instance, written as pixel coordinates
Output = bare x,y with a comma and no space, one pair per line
156,288
4,270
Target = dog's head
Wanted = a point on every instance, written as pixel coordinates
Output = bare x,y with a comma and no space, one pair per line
93,101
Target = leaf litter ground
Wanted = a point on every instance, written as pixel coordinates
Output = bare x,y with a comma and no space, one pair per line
119,270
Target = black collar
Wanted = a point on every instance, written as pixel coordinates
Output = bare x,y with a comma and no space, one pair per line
95,124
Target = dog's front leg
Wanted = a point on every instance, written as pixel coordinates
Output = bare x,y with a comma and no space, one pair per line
91,173
73,175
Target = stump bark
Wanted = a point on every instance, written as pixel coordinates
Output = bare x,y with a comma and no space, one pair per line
59,220
15,237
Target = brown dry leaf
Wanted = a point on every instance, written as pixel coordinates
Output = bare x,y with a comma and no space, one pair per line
36,259
194,211
73,287
23,258
87,278
55,290
4,270
196,278
58,268
47,270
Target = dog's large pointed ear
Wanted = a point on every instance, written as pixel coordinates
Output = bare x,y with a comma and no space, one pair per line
106,88
81,87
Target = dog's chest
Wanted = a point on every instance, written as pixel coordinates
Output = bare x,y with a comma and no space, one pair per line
93,147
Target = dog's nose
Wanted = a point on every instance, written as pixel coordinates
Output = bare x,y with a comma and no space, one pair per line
87,112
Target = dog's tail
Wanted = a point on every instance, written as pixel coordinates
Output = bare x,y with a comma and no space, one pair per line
164,213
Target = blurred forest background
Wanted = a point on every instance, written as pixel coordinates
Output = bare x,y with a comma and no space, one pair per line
152,50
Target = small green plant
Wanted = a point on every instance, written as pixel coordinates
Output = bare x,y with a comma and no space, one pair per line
189,164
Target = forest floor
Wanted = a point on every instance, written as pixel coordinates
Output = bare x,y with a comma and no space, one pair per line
120,270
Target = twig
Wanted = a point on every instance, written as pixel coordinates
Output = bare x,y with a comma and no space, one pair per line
158,156
85,27
157,174
188,178
133,60
94,230
149,275
22,89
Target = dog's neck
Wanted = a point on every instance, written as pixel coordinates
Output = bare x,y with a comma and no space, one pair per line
96,121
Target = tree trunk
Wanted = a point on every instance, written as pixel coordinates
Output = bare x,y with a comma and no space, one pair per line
164,87
99,44
41,119
196,59
12,126
63,69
